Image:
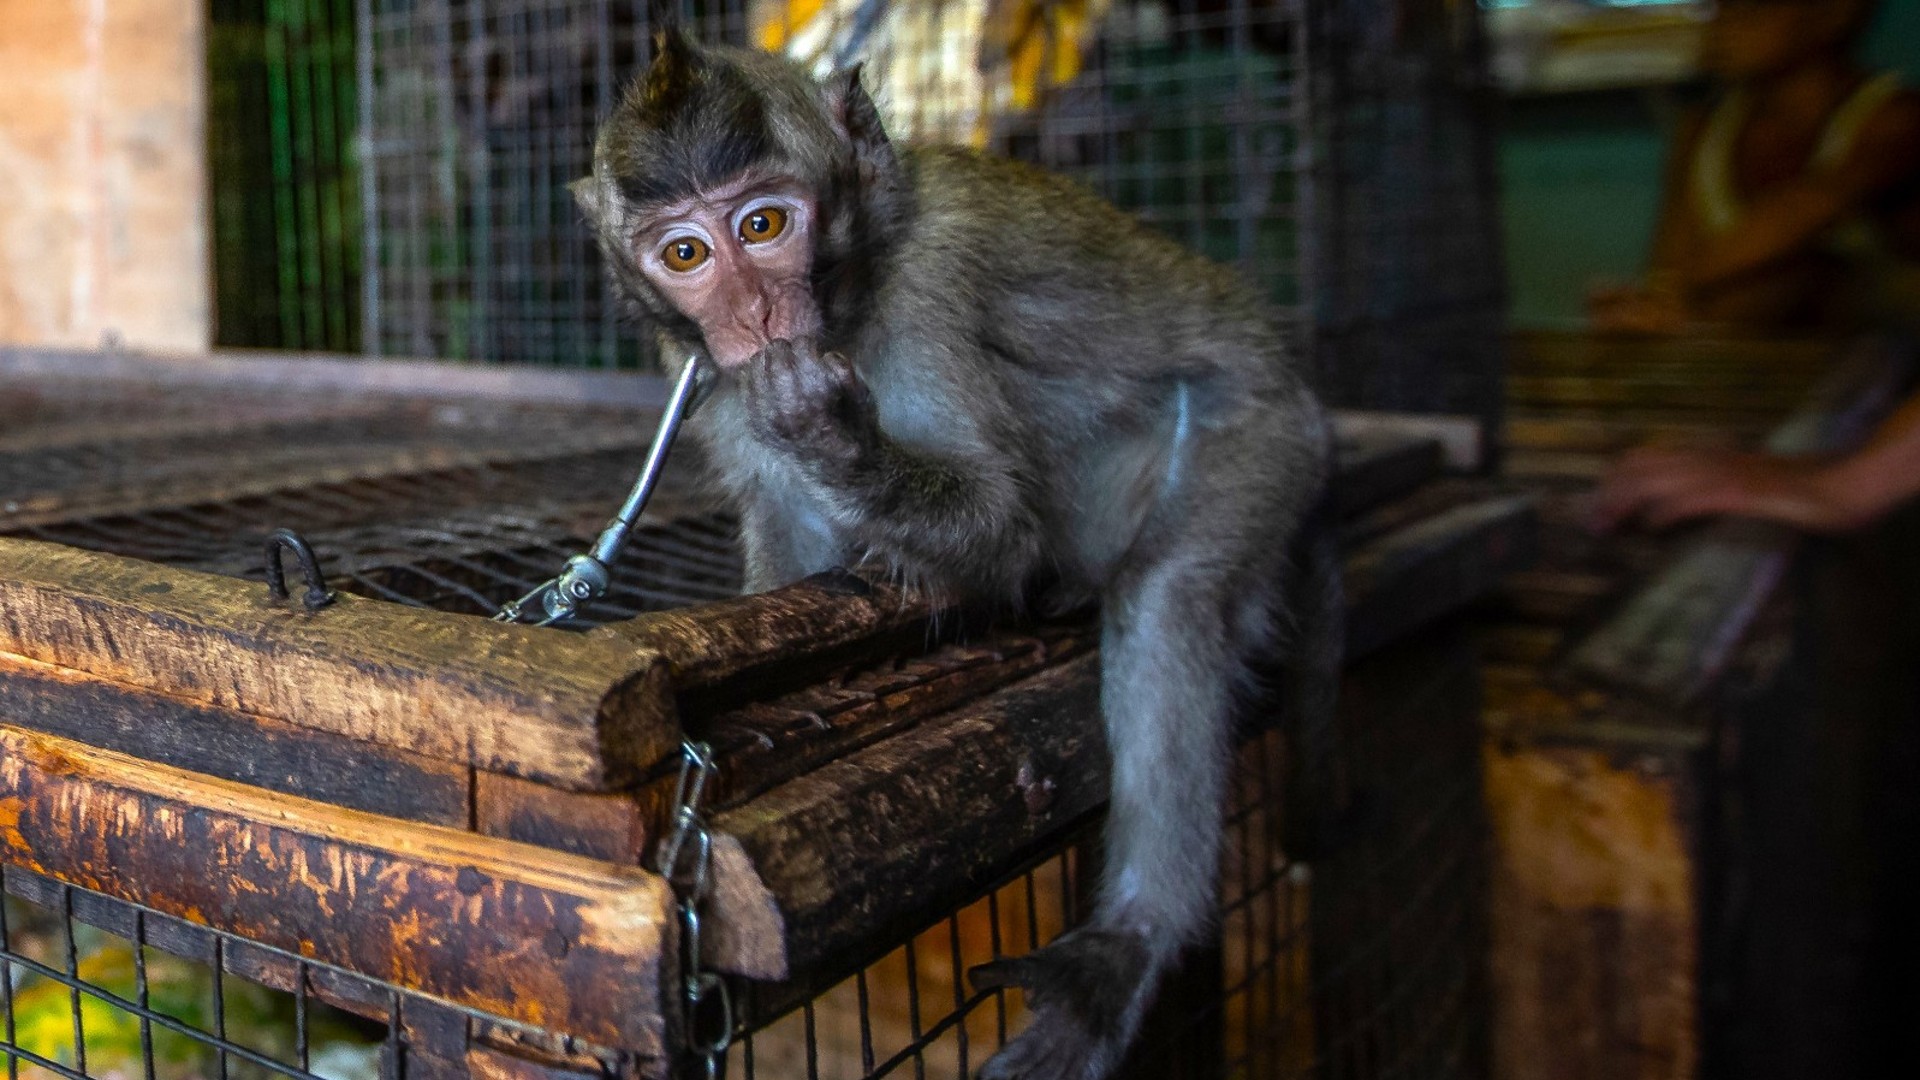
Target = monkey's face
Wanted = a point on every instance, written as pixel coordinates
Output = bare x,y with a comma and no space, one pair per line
737,261
741,202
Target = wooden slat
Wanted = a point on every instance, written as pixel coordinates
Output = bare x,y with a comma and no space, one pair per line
233,745
529,935
861,849
1416,574
612,828
1458,438
1377,469
294,374
575,712
797,627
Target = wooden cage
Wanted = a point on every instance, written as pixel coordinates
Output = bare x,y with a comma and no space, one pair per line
1622,673
393,810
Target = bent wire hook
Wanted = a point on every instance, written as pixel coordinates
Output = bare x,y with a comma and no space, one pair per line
587,576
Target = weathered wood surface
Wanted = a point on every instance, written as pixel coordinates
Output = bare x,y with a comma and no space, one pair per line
798,627
1595,909
516,700
1457,439
1434,566
864,847
529,935
232,745
1674,636
301,374
1375,470
612,827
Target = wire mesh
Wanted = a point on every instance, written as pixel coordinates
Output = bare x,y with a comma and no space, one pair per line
285,186
1368,963
475,117
95,987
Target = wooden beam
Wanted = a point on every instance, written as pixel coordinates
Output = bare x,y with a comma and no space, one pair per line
579,713
522,933
862,849
294,374
797,628
233,745
1433,566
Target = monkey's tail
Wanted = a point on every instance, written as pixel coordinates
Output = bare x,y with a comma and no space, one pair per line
1315,789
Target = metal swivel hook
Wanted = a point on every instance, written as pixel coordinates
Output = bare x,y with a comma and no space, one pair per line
587,577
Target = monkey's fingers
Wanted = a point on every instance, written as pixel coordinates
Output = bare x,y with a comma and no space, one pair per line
1003,974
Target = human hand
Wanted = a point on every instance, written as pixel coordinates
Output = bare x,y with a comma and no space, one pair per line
1660,488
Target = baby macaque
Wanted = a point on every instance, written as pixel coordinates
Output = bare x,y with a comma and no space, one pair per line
996,385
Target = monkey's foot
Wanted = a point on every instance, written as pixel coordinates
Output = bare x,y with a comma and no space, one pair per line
1087,991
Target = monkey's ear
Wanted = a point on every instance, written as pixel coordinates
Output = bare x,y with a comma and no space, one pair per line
675,59
586,195
858,119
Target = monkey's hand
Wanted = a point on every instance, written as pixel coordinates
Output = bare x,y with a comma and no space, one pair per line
1087,991
809,404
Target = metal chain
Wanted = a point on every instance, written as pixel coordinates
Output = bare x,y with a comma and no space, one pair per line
684,858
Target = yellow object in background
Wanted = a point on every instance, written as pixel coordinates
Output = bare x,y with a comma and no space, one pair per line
941,69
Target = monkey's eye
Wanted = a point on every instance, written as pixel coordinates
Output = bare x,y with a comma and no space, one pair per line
763,225
684,254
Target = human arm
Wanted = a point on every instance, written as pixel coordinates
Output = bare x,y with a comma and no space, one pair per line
1662,487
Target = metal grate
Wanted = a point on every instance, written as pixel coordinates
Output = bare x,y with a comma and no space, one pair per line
464,539
93,987
474,118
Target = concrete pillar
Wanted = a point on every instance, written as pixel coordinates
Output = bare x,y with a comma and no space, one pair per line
103,184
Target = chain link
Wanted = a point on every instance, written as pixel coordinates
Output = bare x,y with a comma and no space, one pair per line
685,858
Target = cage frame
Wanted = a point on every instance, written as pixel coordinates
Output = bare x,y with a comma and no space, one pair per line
129,688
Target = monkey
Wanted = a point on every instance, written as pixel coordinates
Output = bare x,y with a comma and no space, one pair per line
993,383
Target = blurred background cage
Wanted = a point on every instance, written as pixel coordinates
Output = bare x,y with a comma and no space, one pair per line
410,161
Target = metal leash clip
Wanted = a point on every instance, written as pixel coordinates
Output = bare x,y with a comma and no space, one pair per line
586,577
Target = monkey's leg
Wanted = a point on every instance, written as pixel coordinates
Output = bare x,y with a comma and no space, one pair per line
1172,642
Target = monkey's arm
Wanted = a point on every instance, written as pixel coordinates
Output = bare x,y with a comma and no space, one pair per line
960,511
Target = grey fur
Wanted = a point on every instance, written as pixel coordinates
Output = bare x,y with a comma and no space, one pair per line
1018,386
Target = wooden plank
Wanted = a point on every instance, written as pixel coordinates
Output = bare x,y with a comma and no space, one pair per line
781,638
532,936
233,745
305,373
1416,574
866,848
776,739
1595,921
1377,469
1458,437
576,712
612,828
